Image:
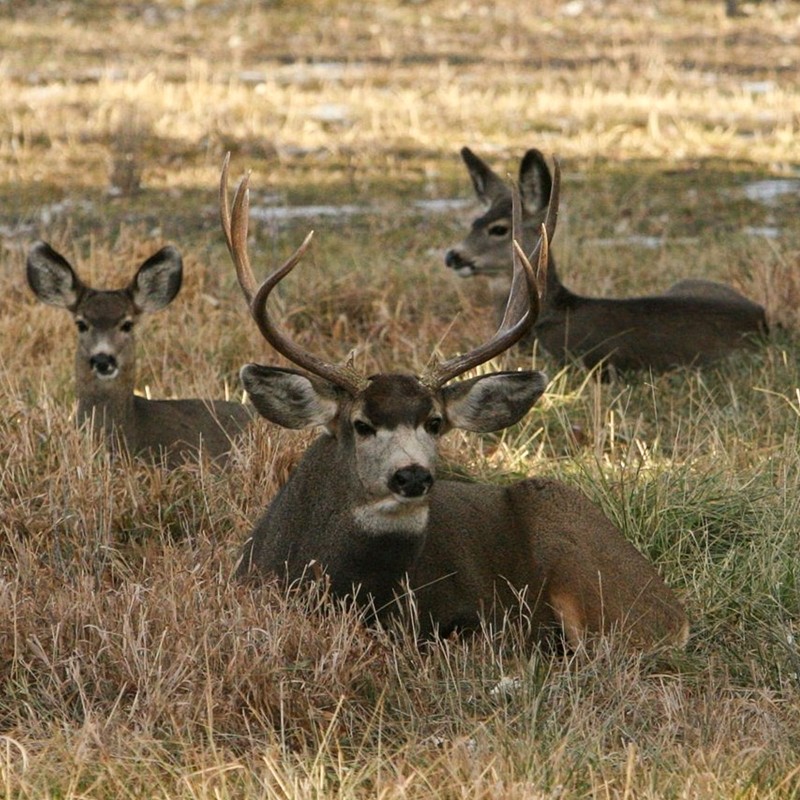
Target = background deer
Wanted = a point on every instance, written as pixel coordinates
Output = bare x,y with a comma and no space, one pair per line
693,323
363,502
105,361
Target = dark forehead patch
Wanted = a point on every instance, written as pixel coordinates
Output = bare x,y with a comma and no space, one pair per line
392,400
105,308
500,209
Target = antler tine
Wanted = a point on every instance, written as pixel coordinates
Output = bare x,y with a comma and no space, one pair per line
519,300
234,225
535,278
550,222
342,375
523,300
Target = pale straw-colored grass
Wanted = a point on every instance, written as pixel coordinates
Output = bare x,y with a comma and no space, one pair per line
130,664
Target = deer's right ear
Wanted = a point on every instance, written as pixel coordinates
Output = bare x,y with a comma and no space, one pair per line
288,398
158,280
51,277
489,186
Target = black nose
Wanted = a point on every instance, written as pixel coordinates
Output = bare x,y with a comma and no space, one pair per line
453,259
103,364
414,481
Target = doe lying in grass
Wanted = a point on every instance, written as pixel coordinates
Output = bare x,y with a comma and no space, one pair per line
364,505
105,361
693,323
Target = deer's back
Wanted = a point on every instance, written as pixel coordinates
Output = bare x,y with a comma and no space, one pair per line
589,564
547,540
658,332
711,290
182,427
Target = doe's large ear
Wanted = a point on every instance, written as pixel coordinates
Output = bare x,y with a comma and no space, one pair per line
489,186
289,398
51,277
535,182
492,402
158,280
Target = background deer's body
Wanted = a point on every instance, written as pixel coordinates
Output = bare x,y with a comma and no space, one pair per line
693,323
105,361
364,505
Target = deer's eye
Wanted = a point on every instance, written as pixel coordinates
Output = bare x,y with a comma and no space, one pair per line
434,426
498,229
363,428
126,326
81,326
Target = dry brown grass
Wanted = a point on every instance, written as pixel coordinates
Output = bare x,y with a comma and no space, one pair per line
130,665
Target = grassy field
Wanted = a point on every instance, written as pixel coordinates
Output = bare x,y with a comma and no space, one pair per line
130,664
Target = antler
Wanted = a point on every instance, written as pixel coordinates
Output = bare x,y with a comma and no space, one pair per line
234,225
522,307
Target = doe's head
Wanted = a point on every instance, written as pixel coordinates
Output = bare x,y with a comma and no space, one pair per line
104,318
486,250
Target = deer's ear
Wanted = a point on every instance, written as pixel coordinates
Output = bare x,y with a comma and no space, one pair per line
289,398
489,186
158,280
51,277
492,402
535,182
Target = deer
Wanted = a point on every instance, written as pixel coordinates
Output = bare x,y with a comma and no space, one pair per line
363,506
693,323
105,362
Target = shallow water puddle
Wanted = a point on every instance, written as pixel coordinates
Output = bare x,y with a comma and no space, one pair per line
769,191
283,213
442,205
647,242
764,231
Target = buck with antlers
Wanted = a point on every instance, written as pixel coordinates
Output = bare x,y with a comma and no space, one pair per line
105,361
364,505
693,323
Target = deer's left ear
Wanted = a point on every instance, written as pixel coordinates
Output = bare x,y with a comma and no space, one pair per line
158,280
492,402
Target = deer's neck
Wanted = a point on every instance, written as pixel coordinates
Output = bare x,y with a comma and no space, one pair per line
106,404
557,296
556,293
554,284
